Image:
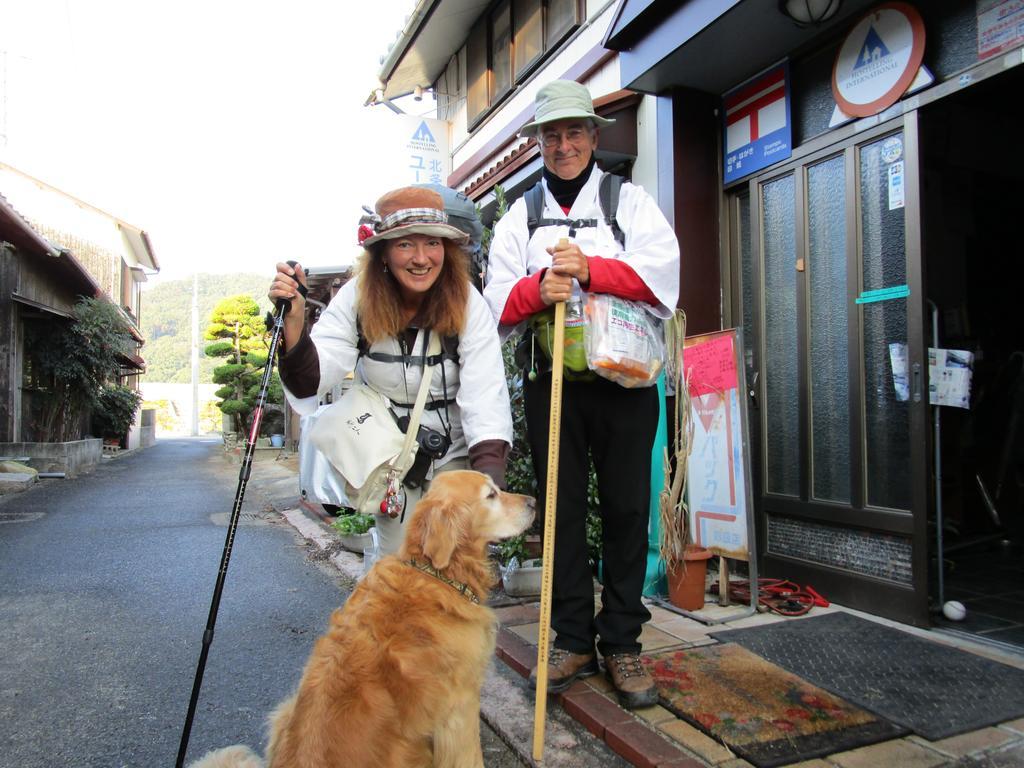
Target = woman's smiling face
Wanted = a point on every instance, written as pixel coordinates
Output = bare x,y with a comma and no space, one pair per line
415,261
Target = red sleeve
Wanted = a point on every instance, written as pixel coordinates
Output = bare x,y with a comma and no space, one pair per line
617,278
523,300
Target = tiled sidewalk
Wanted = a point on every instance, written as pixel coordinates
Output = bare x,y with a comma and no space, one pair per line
656,738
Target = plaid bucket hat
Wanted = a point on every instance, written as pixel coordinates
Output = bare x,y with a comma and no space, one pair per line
408,211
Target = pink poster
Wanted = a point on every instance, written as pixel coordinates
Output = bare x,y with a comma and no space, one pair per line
710,363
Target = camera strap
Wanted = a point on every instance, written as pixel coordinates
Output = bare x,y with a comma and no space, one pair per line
421,400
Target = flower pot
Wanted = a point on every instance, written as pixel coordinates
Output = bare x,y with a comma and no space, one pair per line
686,585
277,441
356,542
522,580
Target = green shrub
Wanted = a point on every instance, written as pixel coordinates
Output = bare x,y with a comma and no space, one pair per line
353,524
115,410
69,365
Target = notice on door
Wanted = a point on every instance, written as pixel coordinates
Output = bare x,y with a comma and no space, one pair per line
896,185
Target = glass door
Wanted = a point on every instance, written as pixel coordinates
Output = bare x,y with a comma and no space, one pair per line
828,290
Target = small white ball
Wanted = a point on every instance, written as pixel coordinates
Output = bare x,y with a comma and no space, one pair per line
954,610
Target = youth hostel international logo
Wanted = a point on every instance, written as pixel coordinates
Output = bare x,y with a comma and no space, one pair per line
878,59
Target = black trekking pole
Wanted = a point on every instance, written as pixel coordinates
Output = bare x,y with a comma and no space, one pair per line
283,305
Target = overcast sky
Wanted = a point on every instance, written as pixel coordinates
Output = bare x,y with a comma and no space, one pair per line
230,130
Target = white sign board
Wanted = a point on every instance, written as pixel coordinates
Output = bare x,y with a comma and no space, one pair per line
406,149
1000,26
878,60
717,486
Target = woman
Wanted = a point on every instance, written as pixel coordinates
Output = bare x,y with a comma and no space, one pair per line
413,278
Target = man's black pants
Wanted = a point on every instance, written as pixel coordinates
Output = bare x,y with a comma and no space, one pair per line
616,426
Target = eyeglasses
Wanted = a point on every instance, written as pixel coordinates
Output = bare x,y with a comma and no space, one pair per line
573,135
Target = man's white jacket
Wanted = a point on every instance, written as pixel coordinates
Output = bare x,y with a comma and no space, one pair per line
651,248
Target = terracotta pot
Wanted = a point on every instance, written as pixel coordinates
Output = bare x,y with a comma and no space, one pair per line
686,586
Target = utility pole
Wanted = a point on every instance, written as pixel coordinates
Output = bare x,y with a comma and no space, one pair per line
195,354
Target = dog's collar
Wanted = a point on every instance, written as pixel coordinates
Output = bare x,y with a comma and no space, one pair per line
462,588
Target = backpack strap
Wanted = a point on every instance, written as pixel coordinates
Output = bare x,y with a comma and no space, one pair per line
449,351
608,197
535,208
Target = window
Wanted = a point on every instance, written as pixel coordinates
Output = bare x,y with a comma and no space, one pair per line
562,16
529,34
477,97
501,56
506,44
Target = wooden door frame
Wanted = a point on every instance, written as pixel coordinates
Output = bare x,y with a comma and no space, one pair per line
903,602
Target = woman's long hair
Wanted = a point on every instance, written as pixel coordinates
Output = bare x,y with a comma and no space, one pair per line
380,307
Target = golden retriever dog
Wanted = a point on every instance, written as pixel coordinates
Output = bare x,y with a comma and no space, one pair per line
395,680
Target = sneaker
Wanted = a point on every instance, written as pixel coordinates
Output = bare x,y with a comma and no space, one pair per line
635,686
564,667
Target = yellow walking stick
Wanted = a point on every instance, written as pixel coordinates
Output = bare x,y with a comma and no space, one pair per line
550,499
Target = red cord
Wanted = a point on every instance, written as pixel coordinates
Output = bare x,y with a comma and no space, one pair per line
785,598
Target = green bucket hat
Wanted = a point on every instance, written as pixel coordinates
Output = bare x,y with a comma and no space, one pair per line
562,100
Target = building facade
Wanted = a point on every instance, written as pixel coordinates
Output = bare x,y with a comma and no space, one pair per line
55,248
845,190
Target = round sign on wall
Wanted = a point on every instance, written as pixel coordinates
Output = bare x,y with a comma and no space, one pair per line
878,59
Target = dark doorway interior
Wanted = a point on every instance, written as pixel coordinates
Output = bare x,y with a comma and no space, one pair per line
973,210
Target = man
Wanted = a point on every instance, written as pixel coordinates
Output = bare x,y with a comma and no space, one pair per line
528,273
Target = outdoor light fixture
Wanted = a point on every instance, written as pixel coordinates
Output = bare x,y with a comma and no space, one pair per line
417,93
808,13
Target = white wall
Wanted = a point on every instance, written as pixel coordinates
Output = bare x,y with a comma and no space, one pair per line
176,418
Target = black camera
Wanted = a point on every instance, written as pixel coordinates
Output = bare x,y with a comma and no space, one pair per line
433,443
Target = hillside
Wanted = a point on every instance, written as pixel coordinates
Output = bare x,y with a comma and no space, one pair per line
167,323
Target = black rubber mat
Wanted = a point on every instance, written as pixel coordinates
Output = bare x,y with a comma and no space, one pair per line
932,689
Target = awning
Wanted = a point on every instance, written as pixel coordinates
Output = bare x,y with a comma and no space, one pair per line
138,243
708,45
434,32
132,364
38,305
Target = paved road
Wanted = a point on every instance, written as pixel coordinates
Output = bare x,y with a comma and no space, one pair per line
106,585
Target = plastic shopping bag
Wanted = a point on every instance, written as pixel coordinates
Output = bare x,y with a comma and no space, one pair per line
624,342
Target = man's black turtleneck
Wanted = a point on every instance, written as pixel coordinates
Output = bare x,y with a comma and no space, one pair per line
566,190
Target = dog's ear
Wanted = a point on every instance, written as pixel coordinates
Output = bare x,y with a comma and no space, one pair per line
441,533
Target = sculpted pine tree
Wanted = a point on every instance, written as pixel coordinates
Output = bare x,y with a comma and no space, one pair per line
239,334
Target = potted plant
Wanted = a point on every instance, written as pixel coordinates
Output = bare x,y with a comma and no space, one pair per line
685,562
354,531
520,570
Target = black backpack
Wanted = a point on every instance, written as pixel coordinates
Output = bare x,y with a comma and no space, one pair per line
607,198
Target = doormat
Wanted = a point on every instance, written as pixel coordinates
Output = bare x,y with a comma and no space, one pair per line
760,711
934,690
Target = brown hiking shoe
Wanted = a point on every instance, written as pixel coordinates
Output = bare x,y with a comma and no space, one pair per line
564,667
627,673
